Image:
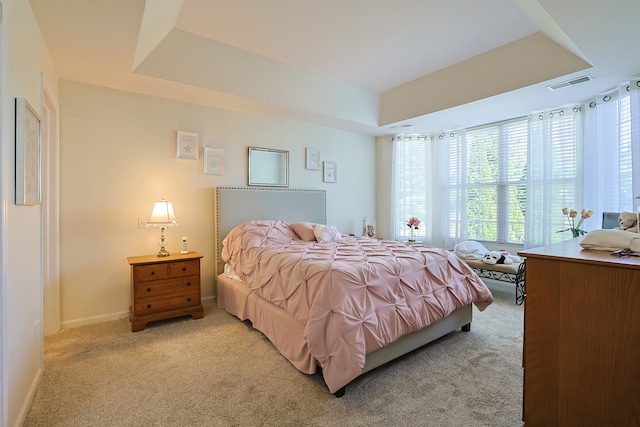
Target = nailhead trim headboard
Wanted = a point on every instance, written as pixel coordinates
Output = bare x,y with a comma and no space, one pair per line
235,205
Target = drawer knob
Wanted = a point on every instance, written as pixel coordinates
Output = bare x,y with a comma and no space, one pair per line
148,289
184,268
153,273
189,299
148,305
188,283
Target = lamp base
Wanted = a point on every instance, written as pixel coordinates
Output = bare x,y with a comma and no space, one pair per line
163,251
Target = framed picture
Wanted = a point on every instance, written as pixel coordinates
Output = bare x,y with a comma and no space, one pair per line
213,161
313,159
188,145
28,154
330,172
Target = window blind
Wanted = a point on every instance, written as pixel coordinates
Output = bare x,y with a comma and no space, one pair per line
554,173
487,182
507,182
412,190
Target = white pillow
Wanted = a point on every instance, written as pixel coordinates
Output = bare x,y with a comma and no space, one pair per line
470,249
611,240
326,233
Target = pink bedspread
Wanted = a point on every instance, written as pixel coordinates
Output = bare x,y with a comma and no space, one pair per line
353,296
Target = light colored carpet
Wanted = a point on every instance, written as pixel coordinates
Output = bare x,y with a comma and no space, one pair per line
218,371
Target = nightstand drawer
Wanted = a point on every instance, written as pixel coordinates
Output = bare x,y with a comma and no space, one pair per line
144,273
184,268
144,306
178,285
164,287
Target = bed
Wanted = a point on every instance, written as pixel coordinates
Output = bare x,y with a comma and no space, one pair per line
345,304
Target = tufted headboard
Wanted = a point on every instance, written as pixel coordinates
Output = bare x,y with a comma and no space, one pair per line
235,205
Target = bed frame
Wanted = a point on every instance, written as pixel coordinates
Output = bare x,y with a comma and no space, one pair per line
235,205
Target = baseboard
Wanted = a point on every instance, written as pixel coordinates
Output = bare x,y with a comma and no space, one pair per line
93,320
26,405
111,316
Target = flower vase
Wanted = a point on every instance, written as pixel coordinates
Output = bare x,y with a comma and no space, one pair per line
412,234
575,232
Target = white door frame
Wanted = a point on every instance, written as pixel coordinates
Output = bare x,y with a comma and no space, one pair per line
50,216
4,193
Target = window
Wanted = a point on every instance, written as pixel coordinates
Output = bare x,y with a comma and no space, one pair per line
413,183
507,182
625,151
503,183
612,150
554,175
488,172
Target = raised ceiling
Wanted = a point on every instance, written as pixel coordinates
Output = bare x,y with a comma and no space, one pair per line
371,66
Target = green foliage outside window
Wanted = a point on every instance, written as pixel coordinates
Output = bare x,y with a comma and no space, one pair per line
496,183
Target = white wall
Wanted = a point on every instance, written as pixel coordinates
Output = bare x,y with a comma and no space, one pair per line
24,59
118,155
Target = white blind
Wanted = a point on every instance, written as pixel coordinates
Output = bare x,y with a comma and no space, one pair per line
554,174
507,182
413,183
456,199
487,182
624,150
612,148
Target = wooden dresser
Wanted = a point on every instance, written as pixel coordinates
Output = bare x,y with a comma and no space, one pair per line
164,287
581,337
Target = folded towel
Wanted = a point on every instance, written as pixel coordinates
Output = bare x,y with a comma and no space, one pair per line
611,240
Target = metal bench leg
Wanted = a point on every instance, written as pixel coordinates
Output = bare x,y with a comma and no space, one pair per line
520,293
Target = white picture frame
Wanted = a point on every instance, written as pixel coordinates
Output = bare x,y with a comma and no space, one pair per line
312,160
213,161
330,172
28,154
187,145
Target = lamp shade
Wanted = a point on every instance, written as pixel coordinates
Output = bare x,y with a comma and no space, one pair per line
162,215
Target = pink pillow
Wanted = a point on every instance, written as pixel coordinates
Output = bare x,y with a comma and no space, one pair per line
326,233
304,230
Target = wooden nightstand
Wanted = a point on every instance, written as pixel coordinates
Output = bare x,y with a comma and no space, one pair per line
164,287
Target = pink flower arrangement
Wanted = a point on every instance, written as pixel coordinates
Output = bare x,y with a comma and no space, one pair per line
413,223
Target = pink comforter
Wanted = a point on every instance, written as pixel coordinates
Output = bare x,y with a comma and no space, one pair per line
353,296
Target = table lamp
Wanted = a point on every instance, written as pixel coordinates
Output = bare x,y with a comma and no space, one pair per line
162,217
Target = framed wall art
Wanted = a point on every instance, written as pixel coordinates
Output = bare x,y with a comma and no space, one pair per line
330,172
188,145
213,161
312,159
28,154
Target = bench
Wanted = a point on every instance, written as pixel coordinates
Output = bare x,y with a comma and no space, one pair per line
512,273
